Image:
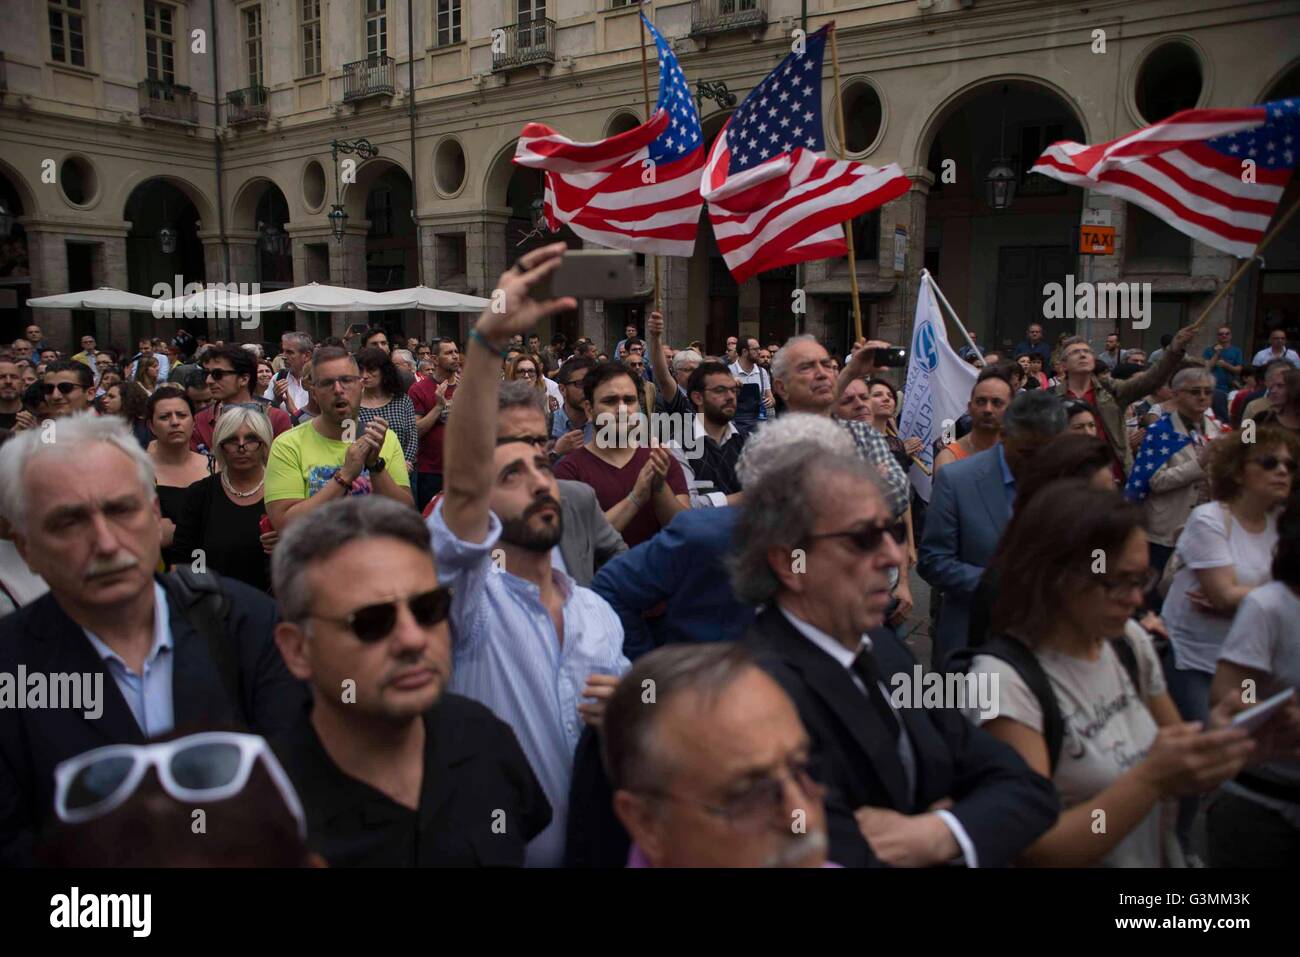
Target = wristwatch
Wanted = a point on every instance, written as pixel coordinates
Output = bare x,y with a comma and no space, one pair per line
379,466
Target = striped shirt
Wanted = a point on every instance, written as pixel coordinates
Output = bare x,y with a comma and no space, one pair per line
506,655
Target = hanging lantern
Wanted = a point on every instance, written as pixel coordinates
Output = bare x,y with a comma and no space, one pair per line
167,238
1000,185
338,218
6,221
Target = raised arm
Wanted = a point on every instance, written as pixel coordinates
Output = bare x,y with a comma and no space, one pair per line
471,428
654,329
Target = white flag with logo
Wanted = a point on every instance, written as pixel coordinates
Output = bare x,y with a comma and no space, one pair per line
938,386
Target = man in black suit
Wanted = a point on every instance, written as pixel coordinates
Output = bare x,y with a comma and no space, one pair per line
150,655
906,786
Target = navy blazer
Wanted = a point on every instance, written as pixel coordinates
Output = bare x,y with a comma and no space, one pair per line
683,565
43,638
967,514
1003,805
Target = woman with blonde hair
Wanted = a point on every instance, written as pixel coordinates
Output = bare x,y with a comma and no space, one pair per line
146,375
222,513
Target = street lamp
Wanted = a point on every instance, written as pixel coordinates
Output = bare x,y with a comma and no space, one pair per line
1000,183
167,234
6,221
338,216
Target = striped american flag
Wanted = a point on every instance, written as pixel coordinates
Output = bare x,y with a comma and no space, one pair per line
1189,170
638,190
773,198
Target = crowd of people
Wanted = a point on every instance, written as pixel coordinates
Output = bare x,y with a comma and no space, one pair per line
383,603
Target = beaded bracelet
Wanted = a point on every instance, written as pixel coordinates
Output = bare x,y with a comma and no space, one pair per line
482,340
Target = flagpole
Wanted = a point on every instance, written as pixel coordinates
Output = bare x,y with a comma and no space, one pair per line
848,225
1246,264
951,312
645,87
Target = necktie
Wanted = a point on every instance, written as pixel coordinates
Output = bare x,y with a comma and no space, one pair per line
865,667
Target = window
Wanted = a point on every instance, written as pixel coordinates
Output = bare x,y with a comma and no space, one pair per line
376,29
379,210
67,32
253,45
1152,245
866,236
1169,80
532,13
310,16
448,22
160,41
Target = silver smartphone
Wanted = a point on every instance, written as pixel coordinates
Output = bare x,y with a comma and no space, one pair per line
592,274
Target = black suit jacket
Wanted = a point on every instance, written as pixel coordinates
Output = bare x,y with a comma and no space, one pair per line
1002,804
43,638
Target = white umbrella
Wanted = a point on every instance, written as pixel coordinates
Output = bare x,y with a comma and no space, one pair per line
426,298
105,297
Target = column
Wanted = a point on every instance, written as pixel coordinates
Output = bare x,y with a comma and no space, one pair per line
348,268
48,261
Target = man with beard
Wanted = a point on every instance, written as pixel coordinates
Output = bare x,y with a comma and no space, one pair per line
149,653
12,414
722,734
330,456
527,641
230,373
711,477
393,771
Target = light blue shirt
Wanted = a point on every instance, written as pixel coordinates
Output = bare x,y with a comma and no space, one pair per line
148,695
507,656
906,752
1008,480
560,425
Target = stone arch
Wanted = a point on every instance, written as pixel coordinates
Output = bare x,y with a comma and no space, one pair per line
353,195
497,180
207,216
243,205
25,195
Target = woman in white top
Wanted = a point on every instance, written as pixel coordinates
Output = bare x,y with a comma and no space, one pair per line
1225,550
1072,572
1254,820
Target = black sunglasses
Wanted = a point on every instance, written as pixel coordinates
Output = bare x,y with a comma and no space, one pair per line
865,540
218,374
371,623
67,388
1269,462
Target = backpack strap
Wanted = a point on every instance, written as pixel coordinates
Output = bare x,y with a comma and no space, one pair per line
1128,658
1018,655
207,609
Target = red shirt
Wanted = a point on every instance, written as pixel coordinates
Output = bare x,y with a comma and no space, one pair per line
424,396
613,485
206,420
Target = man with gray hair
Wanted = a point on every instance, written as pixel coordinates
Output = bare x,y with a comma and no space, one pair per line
165,650
970,506
1173,484
804,376
392,768
717,771
286,390
905,786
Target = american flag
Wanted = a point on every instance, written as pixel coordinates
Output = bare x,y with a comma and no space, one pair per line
638,190
1189,170
774,199
1161,442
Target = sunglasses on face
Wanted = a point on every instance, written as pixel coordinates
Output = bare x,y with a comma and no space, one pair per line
218,374
65,388
865,540
1269,462
371,623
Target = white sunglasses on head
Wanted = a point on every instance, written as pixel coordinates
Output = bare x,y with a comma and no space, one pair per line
206,767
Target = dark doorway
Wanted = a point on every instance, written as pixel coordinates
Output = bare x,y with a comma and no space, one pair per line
775,299
1023,271
81,275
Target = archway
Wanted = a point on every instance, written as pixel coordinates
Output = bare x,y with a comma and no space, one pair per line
260,206
15,262
381,196
163,243
993,263
526,231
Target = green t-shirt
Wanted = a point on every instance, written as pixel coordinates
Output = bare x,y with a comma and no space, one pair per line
303,461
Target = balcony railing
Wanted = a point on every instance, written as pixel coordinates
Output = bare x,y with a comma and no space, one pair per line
719,16
247,105
160,100
372,76
526,43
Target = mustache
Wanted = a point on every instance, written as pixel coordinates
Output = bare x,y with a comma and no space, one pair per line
794,850
540,504
111,565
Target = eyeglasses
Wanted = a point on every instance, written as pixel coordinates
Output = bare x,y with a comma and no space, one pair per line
724,390
65,388
217,374
541,441
1116,586
1269,462
575,383
197,769
346,381
251,443
754,809
865,540
1199,392
526,373
371,623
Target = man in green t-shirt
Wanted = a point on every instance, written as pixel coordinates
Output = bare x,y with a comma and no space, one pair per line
330,457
